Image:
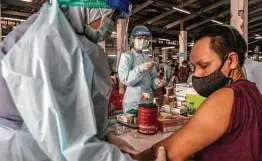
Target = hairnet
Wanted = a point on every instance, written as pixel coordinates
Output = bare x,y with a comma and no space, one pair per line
81,16
139,31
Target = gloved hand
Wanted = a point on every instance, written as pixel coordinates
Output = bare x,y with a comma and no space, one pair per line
145,96
161,154
146,66
121,144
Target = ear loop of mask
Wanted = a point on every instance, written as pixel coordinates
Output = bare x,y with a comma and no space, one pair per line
230,72
235,49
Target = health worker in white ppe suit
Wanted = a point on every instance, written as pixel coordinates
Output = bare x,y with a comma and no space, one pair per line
168,72
137,71
55,85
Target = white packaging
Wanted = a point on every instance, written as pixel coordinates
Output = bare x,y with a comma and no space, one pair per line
181,91
167,108
125,118
175,111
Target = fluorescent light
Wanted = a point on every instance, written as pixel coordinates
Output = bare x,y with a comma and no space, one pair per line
218,22
112,55
259,52
114,33
257,38
12,19
26,0
190,44
181,10
250,51
145,50
163,39
3,36
171,47
257,35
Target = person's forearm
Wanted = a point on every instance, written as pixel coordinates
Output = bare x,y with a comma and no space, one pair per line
170,148
147,155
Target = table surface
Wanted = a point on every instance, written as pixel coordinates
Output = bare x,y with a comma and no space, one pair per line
142,142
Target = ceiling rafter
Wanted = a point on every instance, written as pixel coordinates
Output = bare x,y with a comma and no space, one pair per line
142,6
222,14
171,11
193,15
23,4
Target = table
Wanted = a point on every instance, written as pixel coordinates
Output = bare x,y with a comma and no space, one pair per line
142,142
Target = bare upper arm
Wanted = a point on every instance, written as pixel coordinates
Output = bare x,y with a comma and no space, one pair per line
208,124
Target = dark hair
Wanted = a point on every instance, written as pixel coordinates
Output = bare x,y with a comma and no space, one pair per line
224,39
184,62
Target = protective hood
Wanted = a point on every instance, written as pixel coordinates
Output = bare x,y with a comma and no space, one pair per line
81,16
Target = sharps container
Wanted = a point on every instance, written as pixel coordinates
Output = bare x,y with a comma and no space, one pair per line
147,118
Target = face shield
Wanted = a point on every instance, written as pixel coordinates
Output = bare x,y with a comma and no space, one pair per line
141,40
96,18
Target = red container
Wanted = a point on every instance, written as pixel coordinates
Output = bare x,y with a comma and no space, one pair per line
115,103
147,118
119,101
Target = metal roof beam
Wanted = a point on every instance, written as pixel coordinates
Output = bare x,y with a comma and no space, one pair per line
193,15
255,31
23,4
255,11
255,25
253,42
255,19
142,6
251,2
161,30
188,2
15,13
207,20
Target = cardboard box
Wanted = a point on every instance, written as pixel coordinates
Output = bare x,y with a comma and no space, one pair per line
181,90
171,125
126,118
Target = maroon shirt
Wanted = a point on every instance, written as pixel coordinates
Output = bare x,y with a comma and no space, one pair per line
243,138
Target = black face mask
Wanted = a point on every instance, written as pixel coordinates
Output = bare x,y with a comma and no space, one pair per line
205,86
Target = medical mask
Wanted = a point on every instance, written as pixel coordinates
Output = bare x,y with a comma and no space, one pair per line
141,44
205,86
102,33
